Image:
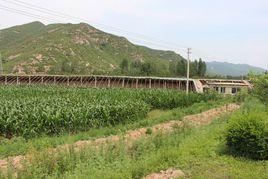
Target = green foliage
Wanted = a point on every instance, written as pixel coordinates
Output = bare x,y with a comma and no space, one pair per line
35,114
196,152
247,133
241,96
35,111
202,68
20,146
149,131
181,67
169,99
124,66
260,90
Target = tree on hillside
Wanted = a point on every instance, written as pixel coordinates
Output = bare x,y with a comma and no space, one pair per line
124,66
181,67
146,68
172,68
202,68
194,69
143,68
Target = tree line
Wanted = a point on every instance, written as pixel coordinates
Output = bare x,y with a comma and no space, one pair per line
176,68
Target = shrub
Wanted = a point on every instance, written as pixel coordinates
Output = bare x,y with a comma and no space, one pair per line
247,135
149,131
260,89
241,96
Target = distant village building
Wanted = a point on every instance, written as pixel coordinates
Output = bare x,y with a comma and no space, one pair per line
225,86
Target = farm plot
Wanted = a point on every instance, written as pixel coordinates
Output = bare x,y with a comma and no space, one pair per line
34,111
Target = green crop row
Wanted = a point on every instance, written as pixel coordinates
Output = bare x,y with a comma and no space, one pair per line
34,111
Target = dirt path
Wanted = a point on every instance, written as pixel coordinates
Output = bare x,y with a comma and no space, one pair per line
168,174
200,119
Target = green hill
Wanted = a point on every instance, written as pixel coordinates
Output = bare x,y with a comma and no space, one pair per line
35,48
224,69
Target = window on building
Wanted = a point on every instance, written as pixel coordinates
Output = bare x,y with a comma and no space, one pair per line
223,89
216,89
234,90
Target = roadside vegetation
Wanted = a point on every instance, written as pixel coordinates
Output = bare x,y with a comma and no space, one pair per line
247,133
198,152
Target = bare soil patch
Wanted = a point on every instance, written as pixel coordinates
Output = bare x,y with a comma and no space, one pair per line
168,174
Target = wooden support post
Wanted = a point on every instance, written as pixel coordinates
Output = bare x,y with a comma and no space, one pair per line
137,83
81,81
165,84
189,87
29,82
109,82
68,81
123,83
95,82
42,80
150,83
179,85
5,80
17,80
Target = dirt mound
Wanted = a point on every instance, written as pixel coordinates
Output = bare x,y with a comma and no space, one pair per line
168,174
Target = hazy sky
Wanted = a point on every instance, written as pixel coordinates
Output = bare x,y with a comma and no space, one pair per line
223,30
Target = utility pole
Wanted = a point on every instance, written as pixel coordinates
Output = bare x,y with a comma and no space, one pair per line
1,62
188,69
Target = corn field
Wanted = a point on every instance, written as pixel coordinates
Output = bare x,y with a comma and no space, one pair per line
34,111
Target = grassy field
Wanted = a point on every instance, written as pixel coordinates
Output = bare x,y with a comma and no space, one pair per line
200,153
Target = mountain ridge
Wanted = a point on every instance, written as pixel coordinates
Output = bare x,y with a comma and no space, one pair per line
35,48
231,69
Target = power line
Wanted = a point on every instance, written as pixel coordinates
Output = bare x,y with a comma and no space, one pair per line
53,20
207,56
33,8
1,62
137,36
63,15
55,13
25,13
